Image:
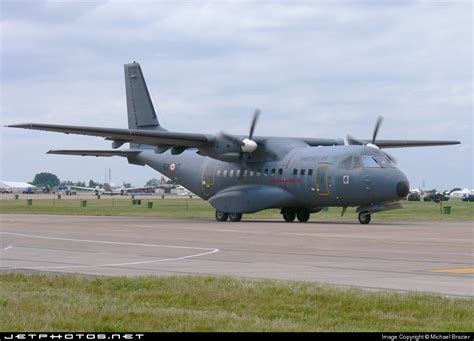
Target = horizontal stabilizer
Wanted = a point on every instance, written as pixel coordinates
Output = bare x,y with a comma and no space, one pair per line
103,153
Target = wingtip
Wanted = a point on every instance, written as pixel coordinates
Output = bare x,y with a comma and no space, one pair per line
20,125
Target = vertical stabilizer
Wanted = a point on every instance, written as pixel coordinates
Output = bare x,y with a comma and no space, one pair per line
141,114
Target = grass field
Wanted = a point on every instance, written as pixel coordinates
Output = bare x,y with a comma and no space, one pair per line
196,208
198,303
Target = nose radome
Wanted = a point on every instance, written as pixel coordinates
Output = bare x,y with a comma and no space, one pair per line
402,189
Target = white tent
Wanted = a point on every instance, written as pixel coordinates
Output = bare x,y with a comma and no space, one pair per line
15,186
460,194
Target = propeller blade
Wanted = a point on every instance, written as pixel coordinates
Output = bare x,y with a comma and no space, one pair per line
353,141
256,114
376,129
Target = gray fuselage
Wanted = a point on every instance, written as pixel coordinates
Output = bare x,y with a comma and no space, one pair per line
307,177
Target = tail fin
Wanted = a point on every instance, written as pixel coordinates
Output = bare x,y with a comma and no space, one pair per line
141,114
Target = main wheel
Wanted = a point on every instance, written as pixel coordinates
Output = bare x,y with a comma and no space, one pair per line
303,215
364,218
221,216
235,217
289,215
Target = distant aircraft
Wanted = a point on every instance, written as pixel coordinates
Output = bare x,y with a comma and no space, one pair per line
246,174
109,188
180,190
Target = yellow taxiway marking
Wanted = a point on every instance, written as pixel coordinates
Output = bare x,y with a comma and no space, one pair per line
456,271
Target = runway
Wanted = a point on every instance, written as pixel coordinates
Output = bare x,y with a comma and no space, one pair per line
434,257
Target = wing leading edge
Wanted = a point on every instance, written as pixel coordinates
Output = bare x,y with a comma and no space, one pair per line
140,136
192,140
412,143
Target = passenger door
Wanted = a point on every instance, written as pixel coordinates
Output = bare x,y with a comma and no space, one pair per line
322,179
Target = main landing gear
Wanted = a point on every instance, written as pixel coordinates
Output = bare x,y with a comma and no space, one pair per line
234,217
290,214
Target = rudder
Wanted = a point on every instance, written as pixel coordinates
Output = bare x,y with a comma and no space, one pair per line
141,114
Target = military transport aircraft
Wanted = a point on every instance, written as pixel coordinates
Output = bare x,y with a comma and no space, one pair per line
246,174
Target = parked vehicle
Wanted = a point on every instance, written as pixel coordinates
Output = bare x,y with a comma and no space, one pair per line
436,197
468,197
413,197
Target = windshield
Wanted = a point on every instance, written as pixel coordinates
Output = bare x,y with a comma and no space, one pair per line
368,161
376,161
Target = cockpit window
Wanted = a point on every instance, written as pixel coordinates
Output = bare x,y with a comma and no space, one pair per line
383,161
357,163
368,161
346,164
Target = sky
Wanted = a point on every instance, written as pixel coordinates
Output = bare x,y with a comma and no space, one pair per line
315,69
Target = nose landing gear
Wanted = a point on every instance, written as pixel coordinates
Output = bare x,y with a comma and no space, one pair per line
364,218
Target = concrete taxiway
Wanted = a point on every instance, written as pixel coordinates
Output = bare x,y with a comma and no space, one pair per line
434,257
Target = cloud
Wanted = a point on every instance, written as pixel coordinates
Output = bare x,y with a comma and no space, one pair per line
314,68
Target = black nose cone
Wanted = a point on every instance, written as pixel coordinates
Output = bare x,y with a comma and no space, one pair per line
402,189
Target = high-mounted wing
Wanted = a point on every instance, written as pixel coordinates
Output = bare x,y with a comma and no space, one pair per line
412,143
140,136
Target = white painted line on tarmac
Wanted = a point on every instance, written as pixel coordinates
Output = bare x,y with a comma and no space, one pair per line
8,248
211,251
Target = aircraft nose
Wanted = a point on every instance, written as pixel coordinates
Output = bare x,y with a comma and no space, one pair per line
403,188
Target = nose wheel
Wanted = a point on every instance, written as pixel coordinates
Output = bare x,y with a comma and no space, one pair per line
364,218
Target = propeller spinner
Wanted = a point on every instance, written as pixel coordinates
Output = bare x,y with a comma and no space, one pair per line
247,145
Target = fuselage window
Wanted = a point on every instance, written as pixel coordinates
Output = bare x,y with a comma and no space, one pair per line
231,173
245,173
224,173
369,162
280,171
251,172
265,172
237,173
273,171
346,164
295,171
302,171
310,171
259,172
218,173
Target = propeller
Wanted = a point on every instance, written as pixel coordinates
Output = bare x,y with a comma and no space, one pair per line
353,141
247,145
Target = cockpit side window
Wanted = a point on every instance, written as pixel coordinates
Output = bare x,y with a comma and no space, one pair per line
357,163
368,161
346,164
